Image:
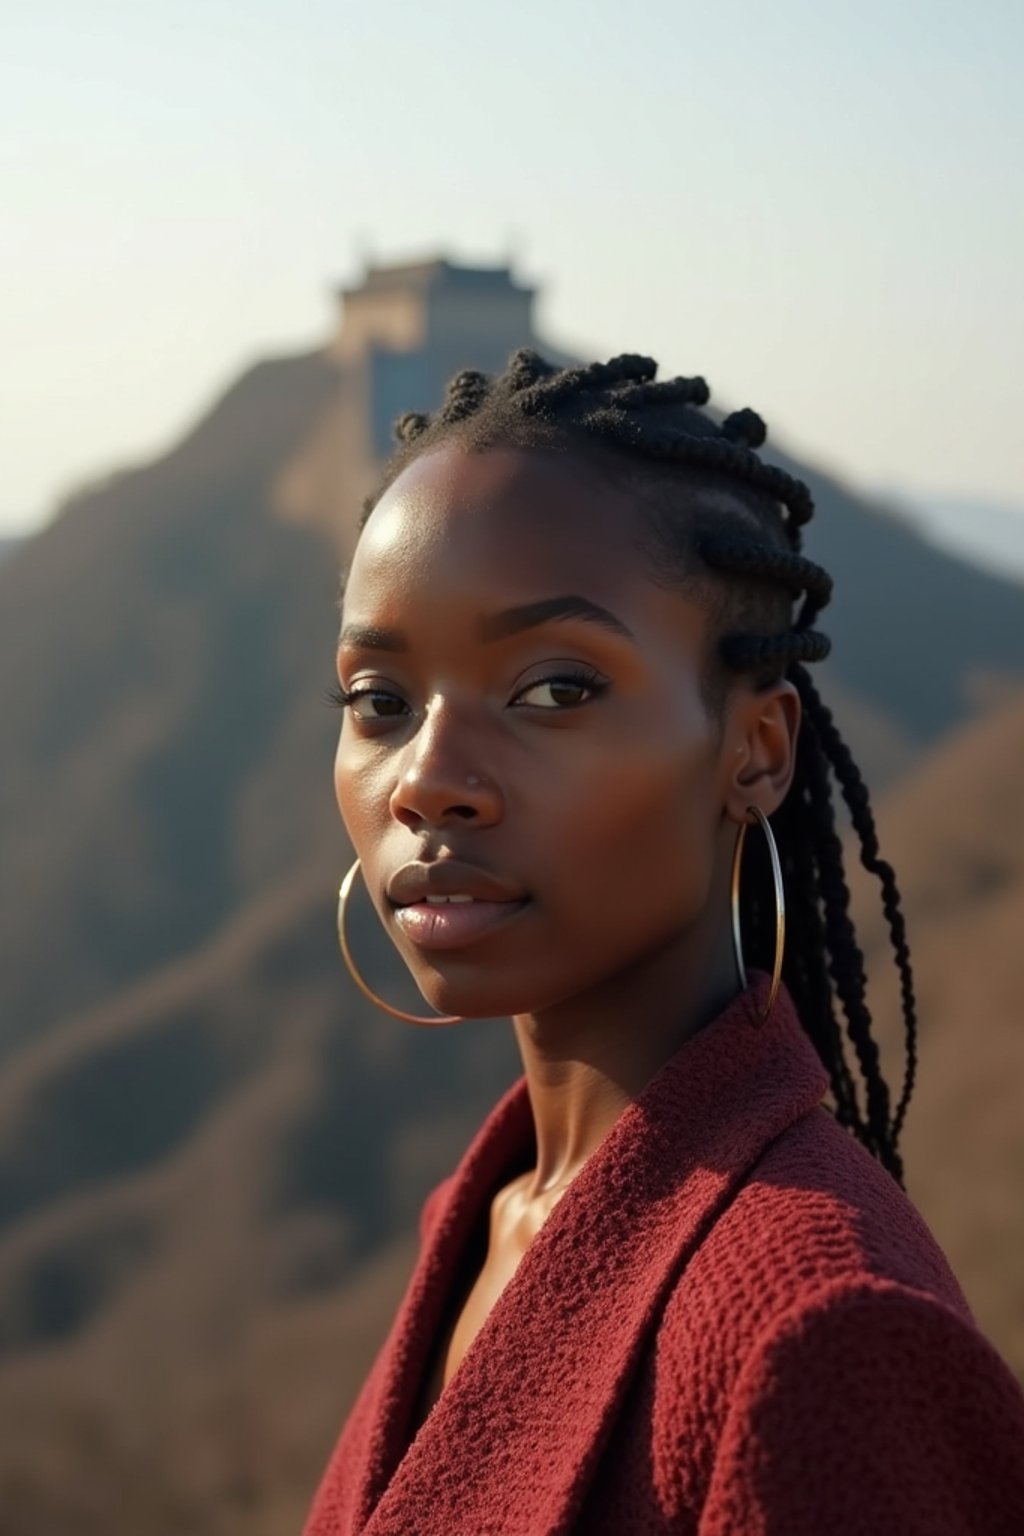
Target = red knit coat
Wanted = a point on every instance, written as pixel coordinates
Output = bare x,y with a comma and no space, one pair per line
732,1323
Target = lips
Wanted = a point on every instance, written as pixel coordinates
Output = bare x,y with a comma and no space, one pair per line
449,877
453,925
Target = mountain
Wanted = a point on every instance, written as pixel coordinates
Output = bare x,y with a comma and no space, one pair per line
164,646
212,1148
954,833
158,650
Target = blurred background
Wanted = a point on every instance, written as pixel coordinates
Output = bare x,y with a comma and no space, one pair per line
237,243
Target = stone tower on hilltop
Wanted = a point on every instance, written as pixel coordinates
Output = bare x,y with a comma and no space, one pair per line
403,332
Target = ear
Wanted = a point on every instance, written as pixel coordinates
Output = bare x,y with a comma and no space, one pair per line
760,759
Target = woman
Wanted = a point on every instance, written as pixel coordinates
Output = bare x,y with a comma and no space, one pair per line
668,1288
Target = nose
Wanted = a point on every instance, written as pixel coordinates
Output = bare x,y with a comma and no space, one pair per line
436,785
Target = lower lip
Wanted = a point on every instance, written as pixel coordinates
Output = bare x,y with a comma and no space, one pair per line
453,924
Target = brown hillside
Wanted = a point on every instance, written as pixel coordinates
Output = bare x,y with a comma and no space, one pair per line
169,1304
954,833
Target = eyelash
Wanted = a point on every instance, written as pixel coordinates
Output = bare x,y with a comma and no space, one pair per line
341,698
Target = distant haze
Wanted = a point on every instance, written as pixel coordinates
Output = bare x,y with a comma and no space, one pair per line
989,534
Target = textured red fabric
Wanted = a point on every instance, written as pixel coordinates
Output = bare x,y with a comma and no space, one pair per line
733,1323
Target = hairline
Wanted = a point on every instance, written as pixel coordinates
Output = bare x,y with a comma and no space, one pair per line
659,491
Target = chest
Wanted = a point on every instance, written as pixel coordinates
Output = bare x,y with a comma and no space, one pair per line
491,1259
625,1495
481,1282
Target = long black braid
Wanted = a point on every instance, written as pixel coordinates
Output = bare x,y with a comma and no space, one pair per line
709,505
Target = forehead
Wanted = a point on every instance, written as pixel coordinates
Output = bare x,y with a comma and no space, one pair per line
499,518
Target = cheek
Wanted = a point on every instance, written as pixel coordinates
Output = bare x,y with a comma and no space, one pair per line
340,786
353,793
637,851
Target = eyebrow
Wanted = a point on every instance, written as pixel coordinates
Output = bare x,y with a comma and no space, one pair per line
498,626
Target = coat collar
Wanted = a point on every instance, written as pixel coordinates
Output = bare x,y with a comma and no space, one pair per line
588,1291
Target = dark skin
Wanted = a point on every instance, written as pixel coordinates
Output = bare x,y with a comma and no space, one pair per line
617,811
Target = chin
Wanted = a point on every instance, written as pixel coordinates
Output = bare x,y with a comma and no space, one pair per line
484,997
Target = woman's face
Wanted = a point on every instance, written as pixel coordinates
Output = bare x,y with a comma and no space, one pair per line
604,806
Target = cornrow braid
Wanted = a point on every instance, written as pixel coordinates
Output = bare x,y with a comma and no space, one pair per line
410,425
687,391
464,395
525,368
741,556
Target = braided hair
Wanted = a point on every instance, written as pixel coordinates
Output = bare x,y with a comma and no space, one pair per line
716,521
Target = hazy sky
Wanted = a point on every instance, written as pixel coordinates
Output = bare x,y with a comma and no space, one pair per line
816,205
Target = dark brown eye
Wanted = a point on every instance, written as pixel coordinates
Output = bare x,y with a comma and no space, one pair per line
589,682
345,698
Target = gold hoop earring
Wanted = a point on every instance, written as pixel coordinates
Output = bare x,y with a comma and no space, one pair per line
780,908
344,891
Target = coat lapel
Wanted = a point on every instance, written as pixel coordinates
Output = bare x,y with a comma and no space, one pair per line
515,1438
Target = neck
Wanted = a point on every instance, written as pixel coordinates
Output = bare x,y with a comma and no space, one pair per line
585,1060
